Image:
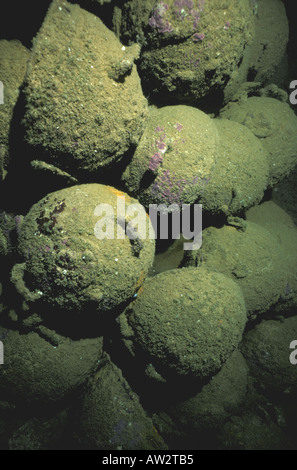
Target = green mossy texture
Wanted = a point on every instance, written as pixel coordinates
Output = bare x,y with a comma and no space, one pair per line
110,344
266,349
187,322
188,69
275,125
240,174
190,142
251,257
264,54
221,398
76,115
274,219
13,63
37,371
111,416
66,265
217,162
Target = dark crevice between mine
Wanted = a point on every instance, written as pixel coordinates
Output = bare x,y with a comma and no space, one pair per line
22,20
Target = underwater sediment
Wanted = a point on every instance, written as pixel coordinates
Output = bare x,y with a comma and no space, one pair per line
118,122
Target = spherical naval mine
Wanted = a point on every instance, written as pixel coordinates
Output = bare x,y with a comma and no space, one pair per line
269,354
13,61
279,223
175,157
240,174
250,255
84,103
186,322
192,48
39,370
221,397
79,248
275,125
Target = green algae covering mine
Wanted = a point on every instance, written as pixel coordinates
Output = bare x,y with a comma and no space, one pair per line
65,265
112,416
191,48
185,323
13,62
37,371
274,219
240,174
266,351
275,125
250,255
184,157
119,332
84,103
175,157
217,400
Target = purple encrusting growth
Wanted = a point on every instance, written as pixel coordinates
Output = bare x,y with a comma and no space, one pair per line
155,161
160,142
183,10
168,188
161,147
178,127
198,37
158,20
